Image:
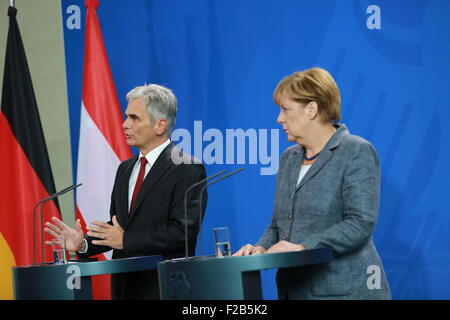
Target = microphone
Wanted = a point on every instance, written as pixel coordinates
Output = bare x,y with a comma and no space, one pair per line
185,207
200,216
44,202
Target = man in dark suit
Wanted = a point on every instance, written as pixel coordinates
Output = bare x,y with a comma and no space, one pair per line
147,201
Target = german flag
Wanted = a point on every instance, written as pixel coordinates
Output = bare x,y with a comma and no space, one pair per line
25,172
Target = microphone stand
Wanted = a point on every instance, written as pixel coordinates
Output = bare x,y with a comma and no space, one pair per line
185,208
42,203
200,217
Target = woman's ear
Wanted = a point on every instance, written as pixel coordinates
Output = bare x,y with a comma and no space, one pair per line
312,110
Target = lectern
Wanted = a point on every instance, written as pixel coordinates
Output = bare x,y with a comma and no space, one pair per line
228,278
58,281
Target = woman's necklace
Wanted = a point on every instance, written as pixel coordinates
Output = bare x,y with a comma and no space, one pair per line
312,158
317,154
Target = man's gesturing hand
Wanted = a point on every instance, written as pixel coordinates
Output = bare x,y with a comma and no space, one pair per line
111,235
73,237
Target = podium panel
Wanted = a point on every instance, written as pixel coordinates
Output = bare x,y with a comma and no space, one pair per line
71,281
228,278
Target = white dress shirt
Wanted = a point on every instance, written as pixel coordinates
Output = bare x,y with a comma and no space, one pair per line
151,159
303,170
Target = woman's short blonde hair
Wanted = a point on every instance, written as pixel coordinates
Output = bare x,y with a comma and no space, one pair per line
315,84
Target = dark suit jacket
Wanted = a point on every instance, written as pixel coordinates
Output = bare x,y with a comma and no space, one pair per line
156,223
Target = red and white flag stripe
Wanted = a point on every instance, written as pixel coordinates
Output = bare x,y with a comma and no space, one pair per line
97,164
102,144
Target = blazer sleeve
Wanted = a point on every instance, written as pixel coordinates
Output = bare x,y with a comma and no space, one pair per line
93,249
169,238
360,196
271,234
269,237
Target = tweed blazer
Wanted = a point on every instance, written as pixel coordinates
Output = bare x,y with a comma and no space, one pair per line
335,205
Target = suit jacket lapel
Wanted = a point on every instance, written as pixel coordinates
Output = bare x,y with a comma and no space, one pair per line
295,162
325,155
162,164
124,183
322,160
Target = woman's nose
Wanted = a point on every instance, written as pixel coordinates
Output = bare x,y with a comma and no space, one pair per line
280,119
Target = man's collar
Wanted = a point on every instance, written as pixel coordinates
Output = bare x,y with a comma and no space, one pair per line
154,154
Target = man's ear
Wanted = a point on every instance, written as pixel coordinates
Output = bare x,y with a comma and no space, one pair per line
161,126
312,109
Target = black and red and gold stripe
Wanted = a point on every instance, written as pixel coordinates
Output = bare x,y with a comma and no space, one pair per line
25,172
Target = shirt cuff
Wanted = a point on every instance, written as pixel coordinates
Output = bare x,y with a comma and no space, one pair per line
85,247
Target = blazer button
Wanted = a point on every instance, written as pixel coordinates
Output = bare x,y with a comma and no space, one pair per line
285,236
290,216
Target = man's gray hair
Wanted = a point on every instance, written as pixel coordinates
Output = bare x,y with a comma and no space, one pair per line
160,101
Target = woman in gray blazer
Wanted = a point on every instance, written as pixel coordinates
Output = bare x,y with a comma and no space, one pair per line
327,195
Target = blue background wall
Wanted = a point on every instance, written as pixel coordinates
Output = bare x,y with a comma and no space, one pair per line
223,59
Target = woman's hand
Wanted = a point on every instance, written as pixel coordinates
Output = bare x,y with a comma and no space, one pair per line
284,246
249,250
